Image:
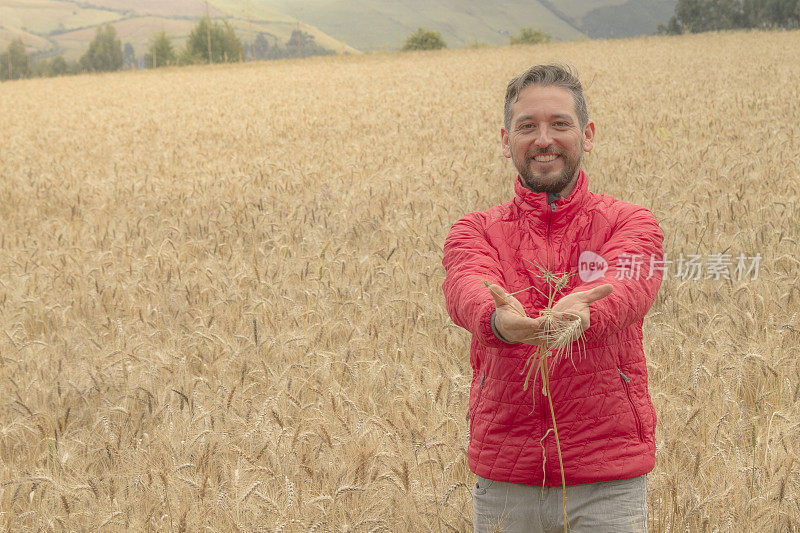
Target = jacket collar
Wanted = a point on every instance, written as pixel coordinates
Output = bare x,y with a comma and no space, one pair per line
536,203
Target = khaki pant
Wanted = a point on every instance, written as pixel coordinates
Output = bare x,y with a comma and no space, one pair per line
610,506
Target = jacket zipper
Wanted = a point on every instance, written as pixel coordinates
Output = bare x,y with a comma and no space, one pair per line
553,209
546,423
627,381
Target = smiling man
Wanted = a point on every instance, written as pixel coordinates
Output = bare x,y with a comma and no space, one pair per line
606,420
546,138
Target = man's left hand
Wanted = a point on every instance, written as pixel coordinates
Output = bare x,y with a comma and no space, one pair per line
577,303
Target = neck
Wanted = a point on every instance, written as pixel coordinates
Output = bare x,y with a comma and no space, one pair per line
570,186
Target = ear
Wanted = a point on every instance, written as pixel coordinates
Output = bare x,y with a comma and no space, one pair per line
588,137
504,142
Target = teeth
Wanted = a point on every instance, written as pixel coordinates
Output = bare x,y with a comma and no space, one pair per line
544,158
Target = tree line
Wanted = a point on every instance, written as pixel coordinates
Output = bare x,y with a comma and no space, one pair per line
423,39
694,16
209,42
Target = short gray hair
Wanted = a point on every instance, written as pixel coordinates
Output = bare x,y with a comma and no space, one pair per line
550,75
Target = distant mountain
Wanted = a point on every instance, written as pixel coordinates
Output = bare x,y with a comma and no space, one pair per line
67,26
620,19
385,24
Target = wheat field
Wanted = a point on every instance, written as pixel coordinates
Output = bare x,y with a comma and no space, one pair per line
220,287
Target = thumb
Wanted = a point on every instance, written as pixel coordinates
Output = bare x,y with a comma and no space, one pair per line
598,293
504,300
499,295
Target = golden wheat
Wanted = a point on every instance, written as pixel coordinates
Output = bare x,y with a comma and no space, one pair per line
220,287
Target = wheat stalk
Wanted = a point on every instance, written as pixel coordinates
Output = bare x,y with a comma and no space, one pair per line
559,333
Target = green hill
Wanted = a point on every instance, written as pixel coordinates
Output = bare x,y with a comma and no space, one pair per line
378,24
65,26
625,19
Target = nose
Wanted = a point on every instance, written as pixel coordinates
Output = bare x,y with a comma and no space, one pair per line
543,139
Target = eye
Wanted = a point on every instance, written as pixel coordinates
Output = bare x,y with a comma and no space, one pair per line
527,126
561,124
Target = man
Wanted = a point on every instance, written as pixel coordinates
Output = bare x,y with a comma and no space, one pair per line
605,418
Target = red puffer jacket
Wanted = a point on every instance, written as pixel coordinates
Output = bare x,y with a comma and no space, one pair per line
606,420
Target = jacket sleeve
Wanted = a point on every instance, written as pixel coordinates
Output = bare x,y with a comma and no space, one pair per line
635,245
469,260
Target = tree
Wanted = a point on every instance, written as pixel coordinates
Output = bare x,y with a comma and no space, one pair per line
260,46
299,42
42,68
531,36
773,13
15,64
105,51
711,15
58,66
424,40
161,51
302,44
225,45
129,56
673,27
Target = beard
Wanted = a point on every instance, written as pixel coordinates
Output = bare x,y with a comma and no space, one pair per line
548,183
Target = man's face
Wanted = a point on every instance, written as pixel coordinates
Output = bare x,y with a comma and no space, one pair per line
545,140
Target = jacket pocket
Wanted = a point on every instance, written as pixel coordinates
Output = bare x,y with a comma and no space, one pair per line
626,384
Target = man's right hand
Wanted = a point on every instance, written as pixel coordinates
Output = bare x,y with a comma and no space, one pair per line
511,321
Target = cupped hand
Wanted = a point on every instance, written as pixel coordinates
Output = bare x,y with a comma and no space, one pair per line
514,325
510,319
577,303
